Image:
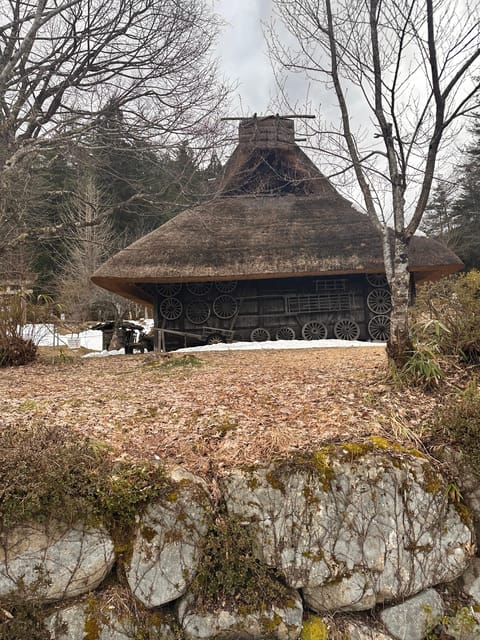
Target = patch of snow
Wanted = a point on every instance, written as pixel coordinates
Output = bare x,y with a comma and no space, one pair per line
281,344
147,323
104,353
46,335
90,339
248,346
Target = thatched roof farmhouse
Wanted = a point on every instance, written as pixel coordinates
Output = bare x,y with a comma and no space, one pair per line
277,252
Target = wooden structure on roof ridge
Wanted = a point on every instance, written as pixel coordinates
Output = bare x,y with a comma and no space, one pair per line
277,253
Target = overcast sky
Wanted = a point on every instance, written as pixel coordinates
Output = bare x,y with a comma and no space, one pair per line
243,54
244,59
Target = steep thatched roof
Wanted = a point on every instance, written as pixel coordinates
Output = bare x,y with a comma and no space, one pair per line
267,161
274,215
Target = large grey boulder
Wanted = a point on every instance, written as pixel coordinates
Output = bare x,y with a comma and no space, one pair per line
278,622
353,525
67,623
414,618
52,561
95,619
168,541
471,581
354,630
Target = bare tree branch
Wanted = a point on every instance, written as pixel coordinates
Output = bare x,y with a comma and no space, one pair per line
414,65
66,66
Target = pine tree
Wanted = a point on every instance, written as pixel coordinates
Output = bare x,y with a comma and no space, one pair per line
438,219
145,187
453,213
466,207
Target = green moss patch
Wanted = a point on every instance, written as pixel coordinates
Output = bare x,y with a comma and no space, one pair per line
326,462
314,628
230,575
174,363
49,473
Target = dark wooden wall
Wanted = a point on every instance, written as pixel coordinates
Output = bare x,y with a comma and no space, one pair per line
349,307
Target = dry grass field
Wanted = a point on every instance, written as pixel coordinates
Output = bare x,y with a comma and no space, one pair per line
210,411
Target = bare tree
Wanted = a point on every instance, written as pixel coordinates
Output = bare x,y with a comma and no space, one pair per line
406,70
85,248
65,64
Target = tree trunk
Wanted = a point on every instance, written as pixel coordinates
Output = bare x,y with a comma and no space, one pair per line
400,342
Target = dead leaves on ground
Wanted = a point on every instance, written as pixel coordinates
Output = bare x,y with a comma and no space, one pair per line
218,410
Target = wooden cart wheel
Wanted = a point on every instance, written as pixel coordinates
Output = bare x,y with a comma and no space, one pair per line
285,333
171,308
215,338
314,331
346,330
168,290
197,312
199,288
377,279
225,307
379,301
226,286
260,335
379,328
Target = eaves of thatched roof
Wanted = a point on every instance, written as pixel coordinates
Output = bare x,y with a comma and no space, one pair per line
237,238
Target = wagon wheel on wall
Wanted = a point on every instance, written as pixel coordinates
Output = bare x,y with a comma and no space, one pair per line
197,312
285,333
346,330
225,307
379,301
379,328
226,286
260,335
314,330
171,308
216,338
377,279
169,290
199,288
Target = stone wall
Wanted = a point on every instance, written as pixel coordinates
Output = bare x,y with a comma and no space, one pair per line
362,541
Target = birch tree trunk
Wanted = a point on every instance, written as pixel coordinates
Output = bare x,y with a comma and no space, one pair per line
399,343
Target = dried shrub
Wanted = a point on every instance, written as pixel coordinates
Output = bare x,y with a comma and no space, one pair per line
15,351
49,472
26,621
459,422
16,310
447,314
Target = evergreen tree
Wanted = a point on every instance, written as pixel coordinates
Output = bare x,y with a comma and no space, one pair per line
438,219
466,207
145,187
453,213
58,183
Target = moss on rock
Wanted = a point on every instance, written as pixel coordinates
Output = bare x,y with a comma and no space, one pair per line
230,572
314,628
